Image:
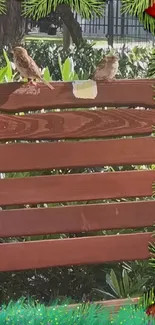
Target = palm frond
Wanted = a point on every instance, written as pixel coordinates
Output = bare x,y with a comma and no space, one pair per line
37,9
2,6
137,8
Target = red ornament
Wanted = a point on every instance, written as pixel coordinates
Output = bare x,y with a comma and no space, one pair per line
150,311
151,11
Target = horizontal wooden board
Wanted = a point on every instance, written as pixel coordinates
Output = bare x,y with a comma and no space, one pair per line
27,157
77,124
89,250
113,304
20,97
74,219
76,187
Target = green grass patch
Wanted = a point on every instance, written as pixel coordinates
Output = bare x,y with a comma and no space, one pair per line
88,314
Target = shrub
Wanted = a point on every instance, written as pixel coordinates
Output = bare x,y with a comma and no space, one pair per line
133,63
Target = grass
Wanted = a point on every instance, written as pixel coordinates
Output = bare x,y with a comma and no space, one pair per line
59,40
89,314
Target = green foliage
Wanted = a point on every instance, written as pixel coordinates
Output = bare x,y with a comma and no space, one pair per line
2,7
41,8
124,285
133,63
87,314
137,8
6,72
151,67
148,299
67,70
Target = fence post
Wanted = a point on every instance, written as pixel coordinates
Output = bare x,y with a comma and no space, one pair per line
110,22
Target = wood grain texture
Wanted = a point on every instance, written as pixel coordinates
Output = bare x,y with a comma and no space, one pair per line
74,219
76,124
18,97
28,157
63,252
76,187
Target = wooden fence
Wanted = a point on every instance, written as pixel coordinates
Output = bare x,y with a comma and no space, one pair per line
82,125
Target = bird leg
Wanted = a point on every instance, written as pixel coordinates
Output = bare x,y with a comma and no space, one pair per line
32,82
110,79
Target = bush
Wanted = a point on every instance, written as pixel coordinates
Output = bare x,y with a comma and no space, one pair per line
133,63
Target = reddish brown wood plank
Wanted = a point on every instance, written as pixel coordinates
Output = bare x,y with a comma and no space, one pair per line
26,157
77,124
114,304
74,219
18,97
77,187
89,250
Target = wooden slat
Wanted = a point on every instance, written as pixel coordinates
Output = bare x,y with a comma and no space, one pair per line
77,124
89,250
18,97
77,187
74,219
27,157
113,305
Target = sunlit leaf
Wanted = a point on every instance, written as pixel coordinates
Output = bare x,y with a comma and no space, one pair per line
2,7
47,75
9,67
3,72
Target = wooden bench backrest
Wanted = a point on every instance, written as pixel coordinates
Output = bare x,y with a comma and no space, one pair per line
75,187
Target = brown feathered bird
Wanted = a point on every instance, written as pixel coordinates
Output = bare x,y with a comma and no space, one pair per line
26,66
106,69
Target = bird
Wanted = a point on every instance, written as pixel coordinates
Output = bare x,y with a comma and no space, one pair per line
106,69
26,66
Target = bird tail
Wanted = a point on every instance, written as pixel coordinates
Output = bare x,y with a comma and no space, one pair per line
47,83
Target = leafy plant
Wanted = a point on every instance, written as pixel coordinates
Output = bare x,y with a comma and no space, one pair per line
133,63
67,70
123,286
6,74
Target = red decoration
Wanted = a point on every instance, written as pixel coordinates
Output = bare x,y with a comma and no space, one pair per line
151,11
150,311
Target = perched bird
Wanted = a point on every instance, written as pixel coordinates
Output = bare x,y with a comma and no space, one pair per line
26,66
106,69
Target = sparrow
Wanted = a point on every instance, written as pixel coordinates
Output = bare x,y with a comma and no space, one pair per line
106,69
26,66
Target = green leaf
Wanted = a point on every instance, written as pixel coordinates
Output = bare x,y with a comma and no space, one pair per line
3,72
113,282
126,281
47,75
66,70
9,68
60,64
2,7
